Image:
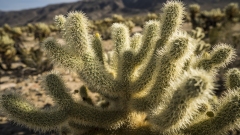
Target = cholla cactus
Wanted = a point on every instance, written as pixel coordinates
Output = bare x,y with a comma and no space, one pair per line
213,17
102,26
7,51
53,28
201,46
35,60
117,18
30,29
146,85
232,11
41,31
151,16
6,28
194,10
14,33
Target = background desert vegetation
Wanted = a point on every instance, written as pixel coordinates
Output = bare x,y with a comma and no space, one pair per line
23,62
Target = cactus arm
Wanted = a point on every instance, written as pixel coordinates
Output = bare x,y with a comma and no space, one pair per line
62,56
120,37
56,88
193,89
171,20
25,113
89,72
97,47
94,73
59,21
126,69
149,75
87,114
167,71
136,42
149,38
97,117
98,80
143,54
232,79
226,117
219,57
76,34
84,95
78,127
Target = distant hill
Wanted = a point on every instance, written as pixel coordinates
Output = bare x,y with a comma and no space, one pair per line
97,9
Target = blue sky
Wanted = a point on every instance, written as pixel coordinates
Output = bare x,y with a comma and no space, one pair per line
13,5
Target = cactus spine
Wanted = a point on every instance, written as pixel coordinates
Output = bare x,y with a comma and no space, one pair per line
145,85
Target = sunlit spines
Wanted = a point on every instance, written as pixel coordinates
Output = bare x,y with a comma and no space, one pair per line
61,56
150,73
76,33
55,86
224,52
59,21
172,60
97,47
141,88
226,117
146,50
120,37
232,79
184,97
149,39
126,69
171,64
136,42
177,52
121,41
171,20
109,63
25,113
97,79
89,72
221,55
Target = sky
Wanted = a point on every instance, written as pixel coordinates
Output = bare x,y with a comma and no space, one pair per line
14,5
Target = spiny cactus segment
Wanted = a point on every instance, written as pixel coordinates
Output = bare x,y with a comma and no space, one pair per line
151,83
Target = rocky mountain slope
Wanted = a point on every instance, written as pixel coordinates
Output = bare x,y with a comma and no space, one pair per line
97,9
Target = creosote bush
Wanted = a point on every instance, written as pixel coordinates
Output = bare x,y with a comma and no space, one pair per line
151,83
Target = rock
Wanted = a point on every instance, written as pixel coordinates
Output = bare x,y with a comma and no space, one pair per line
7,86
